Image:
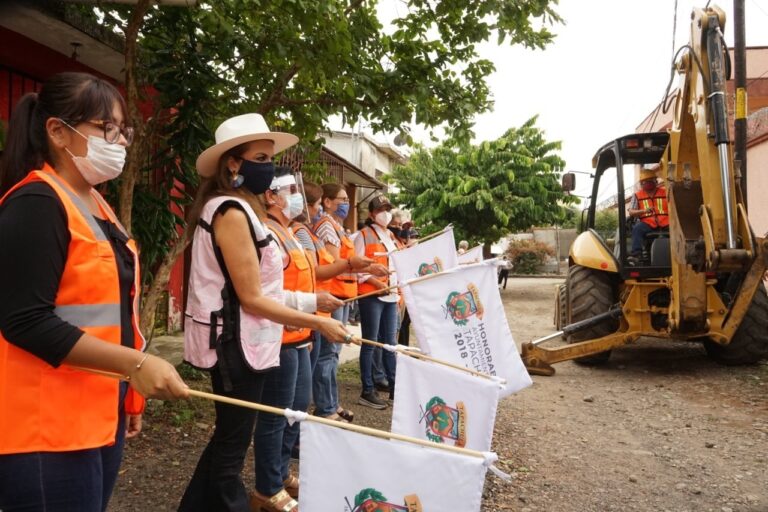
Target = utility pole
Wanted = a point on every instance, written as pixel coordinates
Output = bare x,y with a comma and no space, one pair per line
740,68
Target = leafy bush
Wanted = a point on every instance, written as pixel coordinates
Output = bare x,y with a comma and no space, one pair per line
527,256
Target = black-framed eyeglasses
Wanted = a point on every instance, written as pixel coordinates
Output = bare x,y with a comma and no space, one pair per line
112,131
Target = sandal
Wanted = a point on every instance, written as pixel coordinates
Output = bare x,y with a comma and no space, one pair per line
291,485
280,502
347,415
334,416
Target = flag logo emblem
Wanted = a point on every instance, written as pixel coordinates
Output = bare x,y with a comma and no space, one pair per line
426,269
461,306
371,500
445,422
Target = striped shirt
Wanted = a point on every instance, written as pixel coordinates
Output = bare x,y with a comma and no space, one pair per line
305,240
327,234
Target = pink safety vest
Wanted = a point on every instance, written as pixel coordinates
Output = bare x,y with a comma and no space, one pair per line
259,337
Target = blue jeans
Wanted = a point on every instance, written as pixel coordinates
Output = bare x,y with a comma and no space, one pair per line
325,391
288,387
378,322
378,366
76,481
314,354
216,483
639,230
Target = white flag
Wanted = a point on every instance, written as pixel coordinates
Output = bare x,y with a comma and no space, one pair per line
430,257
345,471
459,317
444,405
473,255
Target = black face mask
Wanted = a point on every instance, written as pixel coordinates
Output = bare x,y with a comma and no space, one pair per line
257,176
402,234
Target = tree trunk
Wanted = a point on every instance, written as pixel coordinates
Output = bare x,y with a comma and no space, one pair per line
136,152
160,281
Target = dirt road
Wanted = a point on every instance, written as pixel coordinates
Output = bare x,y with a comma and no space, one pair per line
661,427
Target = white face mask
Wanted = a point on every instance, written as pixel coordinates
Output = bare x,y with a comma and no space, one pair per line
103,161
383,218
294,205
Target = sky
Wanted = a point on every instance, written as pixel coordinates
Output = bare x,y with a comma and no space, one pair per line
605,72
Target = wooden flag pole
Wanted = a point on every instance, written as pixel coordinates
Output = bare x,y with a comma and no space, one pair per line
433,235
425,357
317,419
410,281
375,292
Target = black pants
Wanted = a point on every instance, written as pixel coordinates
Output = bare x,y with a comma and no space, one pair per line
503,276
404,336
216,483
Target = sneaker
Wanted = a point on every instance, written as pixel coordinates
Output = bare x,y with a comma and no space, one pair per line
372,400
391,399
382,386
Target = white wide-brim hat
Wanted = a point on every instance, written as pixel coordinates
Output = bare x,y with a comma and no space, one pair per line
238,130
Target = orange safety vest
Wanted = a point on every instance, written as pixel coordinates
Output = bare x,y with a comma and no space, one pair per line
298,274
63,409
658,203
377,251
317,257
343,285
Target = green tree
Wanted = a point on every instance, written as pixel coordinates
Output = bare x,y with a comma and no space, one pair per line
488,190
297,62
606,222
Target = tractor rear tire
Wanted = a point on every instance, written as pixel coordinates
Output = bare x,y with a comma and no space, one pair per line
562,309
590,293
750,343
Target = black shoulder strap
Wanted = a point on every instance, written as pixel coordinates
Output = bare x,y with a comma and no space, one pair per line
222,208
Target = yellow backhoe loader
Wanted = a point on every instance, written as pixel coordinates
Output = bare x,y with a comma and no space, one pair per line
700,280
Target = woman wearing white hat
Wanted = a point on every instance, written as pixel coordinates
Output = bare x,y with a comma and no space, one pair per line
237,306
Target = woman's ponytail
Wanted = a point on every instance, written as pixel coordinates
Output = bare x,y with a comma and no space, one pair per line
25,143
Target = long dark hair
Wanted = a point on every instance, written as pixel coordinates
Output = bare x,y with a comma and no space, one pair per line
220,184
73,97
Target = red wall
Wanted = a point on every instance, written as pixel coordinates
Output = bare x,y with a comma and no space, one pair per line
24,65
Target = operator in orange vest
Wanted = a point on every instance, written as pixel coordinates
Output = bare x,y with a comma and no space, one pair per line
69,294
649,204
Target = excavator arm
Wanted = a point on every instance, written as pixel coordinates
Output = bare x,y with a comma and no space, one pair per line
717,264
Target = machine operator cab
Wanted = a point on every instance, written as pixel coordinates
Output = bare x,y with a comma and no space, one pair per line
618,203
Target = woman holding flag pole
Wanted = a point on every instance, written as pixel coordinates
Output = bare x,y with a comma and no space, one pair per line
328,228
326,266
237,306
289,386
378,312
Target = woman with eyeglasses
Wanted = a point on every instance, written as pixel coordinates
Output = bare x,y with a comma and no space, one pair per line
236,313
329,229
69,294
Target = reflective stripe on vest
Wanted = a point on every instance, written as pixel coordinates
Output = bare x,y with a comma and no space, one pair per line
658,203
344,285
298,275
64,409
89,315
